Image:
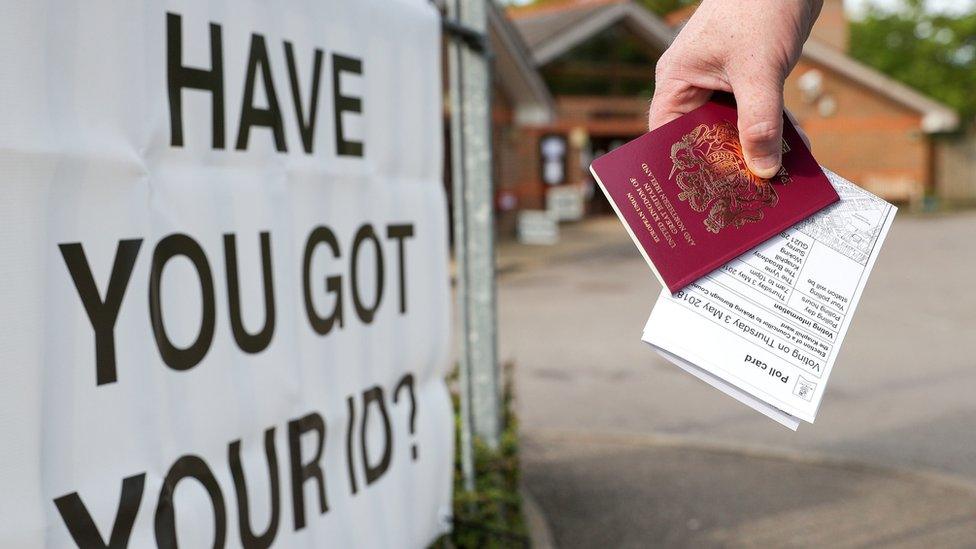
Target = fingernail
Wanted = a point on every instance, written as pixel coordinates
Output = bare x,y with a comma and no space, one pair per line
765,166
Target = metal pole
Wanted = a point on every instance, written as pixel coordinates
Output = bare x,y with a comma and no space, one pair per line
474,225
457,196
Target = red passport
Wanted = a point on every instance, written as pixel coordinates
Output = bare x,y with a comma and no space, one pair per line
689,202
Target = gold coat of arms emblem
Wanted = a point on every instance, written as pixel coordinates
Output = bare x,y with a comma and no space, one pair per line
712,175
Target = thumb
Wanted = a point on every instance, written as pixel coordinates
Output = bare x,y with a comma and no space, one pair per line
760,110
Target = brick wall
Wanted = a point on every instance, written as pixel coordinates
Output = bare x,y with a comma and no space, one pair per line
864,137
832,27
516,148
867,139
603,113
515,156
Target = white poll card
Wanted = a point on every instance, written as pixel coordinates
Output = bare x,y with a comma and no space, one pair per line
767,327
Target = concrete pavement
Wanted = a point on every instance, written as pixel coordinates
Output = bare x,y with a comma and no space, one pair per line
900,396
625,491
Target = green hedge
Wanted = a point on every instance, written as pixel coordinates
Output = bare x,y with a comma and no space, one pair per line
491,515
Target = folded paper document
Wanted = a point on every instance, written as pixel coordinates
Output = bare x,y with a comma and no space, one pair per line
761,276
766,327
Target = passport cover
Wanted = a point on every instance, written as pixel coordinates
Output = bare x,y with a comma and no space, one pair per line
689,202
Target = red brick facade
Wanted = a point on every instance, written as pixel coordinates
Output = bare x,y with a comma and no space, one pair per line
866,138
858,132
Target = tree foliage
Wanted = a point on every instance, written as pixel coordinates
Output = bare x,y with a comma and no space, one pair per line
934,53
663,7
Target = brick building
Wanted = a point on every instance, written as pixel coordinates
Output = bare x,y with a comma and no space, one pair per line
596,59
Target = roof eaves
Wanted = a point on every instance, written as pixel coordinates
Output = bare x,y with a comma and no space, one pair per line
642,21
522,59
539,10
653,27
564,41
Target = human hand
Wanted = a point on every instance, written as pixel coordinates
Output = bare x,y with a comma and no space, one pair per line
743,47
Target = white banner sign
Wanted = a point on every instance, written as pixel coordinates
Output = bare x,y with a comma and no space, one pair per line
223,275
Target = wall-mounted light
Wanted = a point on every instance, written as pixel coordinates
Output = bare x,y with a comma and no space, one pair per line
827,105
811,85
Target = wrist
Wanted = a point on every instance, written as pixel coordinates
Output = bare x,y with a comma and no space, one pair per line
802,12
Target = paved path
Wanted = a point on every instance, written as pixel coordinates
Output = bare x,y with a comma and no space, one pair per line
627,492
901,395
